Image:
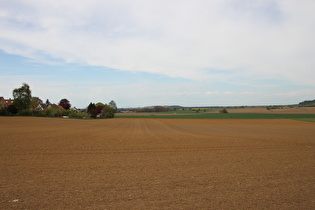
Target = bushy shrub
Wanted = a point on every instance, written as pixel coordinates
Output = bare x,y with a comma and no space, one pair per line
224,110
274,107
24,112
52,112
108,112
45,113
12,109
79,115
4,112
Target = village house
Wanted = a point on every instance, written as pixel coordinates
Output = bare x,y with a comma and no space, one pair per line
40,107
5,102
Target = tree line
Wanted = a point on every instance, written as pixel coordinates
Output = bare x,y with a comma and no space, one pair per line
24,104
308,103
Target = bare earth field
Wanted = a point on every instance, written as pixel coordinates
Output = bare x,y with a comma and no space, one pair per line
120,163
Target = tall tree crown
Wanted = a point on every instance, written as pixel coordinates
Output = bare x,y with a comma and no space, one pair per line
22,96
65,103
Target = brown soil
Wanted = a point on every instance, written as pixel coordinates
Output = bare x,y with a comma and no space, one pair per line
156,164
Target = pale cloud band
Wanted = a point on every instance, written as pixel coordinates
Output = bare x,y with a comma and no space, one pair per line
218,40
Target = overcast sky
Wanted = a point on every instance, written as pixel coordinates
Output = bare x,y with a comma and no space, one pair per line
161,52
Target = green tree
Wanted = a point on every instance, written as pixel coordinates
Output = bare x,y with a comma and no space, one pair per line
112,104
224,110
22,97
99,104
108,112
91,107
47,102
92,110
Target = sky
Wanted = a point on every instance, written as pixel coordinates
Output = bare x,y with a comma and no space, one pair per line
144,52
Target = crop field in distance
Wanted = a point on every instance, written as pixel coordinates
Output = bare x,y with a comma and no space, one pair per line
298,113
141,163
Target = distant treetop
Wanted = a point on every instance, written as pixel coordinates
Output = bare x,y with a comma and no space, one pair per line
65,103
307,103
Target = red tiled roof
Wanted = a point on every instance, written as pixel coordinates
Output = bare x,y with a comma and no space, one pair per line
8,101
61,108
56,106
5,102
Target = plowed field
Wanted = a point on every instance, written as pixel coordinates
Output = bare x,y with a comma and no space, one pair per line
156,164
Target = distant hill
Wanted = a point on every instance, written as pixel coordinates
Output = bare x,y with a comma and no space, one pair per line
307,103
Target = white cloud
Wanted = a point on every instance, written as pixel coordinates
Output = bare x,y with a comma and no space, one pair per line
252,40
